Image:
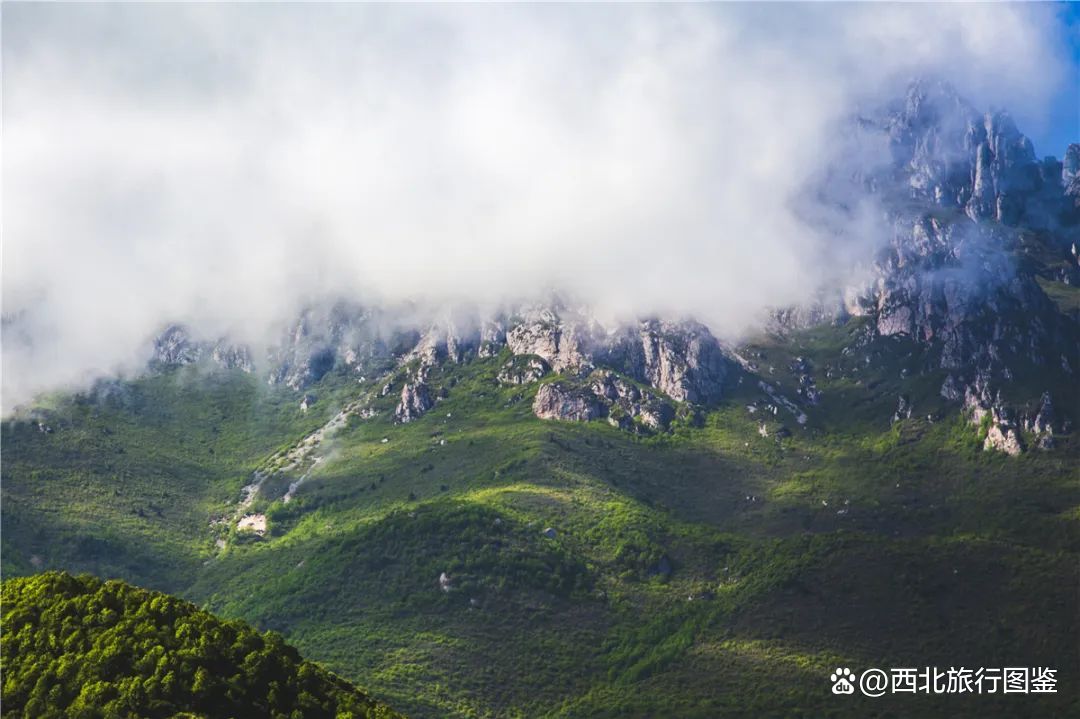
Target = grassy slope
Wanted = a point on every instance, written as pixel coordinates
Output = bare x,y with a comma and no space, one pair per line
945,554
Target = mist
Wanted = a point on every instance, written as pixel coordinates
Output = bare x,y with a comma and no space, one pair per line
223,165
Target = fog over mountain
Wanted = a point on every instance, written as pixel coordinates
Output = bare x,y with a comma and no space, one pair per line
222,166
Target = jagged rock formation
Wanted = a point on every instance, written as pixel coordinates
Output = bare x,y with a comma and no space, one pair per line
683,360
903,408
680,359
627,403
342,335
561,341
965,200
558,401
986,410
416,396
952,275
523,369
175,346
604,394
955,156
415,400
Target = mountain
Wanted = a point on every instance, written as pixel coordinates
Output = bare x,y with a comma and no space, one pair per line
81,647
535,510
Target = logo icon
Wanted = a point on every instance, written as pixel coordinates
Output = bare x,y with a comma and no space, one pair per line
842,681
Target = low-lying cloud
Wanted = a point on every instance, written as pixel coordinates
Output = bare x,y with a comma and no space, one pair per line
221,165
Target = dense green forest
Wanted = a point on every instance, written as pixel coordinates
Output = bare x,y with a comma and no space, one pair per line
82,648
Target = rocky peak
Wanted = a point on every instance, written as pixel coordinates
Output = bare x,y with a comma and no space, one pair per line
955,156
175,346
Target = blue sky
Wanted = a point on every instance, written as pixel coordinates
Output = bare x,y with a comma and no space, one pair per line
1063,123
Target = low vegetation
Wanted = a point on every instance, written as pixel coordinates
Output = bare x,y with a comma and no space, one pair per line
702,572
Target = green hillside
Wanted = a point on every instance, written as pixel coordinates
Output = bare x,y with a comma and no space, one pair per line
78,647
704,572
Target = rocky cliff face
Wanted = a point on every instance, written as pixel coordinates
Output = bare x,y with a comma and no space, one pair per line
605,394
954,273
356,339
970,212
175,347
950,154
680,361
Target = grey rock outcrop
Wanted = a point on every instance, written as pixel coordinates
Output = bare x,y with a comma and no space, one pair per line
562,339
604,394
985,407
233,357
1003,439
357,340
522,369
556,401
627,403
682,360
903,409
492,338
176,347
956,156
415,401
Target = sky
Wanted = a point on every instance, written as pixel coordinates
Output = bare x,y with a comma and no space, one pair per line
224,164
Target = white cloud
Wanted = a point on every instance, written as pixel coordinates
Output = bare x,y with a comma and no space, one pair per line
220,164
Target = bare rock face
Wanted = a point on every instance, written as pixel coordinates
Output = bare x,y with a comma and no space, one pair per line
978,162
984,406
682,360
563,340
415,400
903,409
175,346
801,368
233,357
522,369
1070,172
605,394
1003,439
352,338
556,401
655,415
492,338
1041,424
951,274
627,403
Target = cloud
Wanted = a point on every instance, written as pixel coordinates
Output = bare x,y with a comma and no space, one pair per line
223,164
